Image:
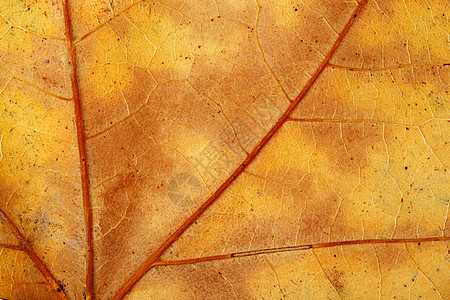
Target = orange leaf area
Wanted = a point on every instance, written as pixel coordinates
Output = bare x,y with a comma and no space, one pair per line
232,149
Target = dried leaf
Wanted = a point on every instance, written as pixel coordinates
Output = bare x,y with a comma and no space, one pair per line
224,149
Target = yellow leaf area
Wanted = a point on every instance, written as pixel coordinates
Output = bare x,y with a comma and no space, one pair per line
229,149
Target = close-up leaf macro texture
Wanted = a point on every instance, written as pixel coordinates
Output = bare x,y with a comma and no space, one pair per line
224,149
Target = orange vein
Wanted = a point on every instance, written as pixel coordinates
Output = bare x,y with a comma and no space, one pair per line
150,261
191,260
432,64
13,247
313,120
25,246
81,150
298,248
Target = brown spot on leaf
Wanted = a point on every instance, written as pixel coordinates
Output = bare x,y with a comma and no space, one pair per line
336,278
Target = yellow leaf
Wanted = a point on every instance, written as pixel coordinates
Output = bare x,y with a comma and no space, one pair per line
249,149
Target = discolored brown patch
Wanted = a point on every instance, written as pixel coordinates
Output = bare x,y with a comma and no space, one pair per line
391,257
139,88
320,209
121,27
118,159
117,220
205,83
336,279
181,103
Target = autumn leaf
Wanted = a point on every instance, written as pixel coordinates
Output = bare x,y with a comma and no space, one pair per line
249,149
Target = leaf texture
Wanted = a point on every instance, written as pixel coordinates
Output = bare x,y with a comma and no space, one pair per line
249,149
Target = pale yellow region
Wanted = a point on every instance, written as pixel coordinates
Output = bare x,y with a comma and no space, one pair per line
120,41
391,32
316,23
383,96
363,215
189,139
157,41
174,58
198,10
379,191
242,11
357,94
32,109
436,134
155,21
395,195
42,18
265,179
287,158
381,26
40,175
17,142
173,291
166,286
15,40
295,275
351,270
170,38
20,279
283,12
399,275
212,161
422,286
389,196
39,61
109,48
260,196
424,24
88,15
368,271
406,96
236,44
408,155
36,137
106,79
415,170
314,150
431,260
5,26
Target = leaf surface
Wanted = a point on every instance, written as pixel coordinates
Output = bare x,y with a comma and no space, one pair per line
230,149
